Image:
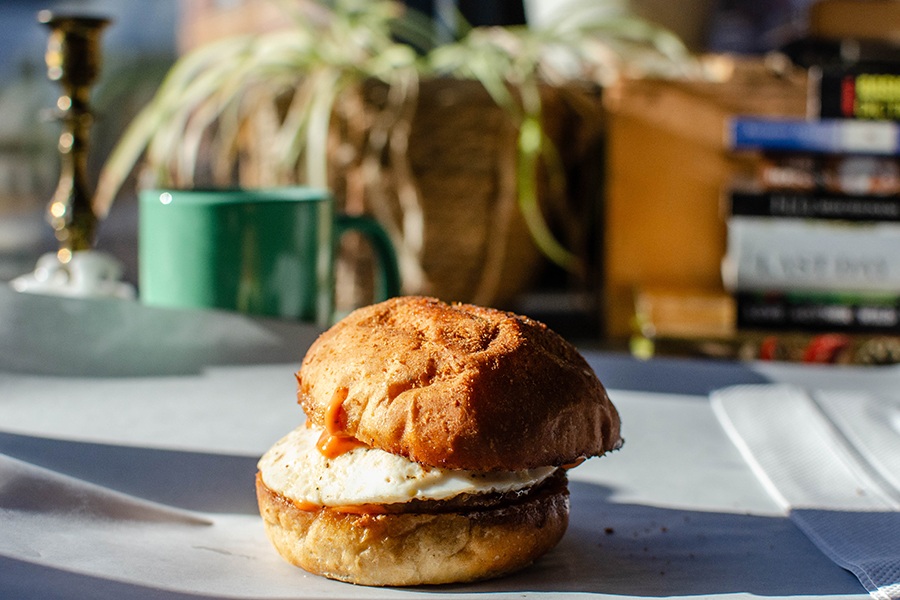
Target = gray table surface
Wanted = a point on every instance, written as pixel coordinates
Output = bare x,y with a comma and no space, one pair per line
153,419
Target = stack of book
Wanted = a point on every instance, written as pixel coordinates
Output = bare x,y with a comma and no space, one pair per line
812,264
813,241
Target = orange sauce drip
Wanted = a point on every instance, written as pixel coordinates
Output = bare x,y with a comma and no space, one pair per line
332,445
333,442
574,464
359,509
304,505
335,410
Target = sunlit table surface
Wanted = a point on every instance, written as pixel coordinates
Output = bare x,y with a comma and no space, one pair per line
129,438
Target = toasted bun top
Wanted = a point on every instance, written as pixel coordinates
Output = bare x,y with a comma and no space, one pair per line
457,386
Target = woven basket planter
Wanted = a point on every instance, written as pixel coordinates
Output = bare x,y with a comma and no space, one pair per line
459,168
438,169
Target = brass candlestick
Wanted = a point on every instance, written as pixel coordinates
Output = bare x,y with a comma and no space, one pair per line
73,61
75,269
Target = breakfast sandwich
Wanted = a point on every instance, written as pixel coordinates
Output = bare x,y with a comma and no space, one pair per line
436,445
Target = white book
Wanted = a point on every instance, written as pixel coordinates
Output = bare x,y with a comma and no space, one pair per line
770,254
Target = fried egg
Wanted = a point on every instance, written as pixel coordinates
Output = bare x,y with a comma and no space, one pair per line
296,468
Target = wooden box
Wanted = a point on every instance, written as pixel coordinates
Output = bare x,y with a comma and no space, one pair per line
667,165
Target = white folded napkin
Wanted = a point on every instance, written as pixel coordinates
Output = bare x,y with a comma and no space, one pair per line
832,460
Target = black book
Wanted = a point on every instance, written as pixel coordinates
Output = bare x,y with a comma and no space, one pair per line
845,313
814,205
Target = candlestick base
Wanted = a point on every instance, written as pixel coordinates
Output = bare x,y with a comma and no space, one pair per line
87,274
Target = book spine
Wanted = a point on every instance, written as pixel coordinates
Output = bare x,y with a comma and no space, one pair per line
846,313
832,136
862,92
814,205
811,255
848,174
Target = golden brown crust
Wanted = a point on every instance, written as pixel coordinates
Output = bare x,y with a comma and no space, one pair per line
458,386
404,549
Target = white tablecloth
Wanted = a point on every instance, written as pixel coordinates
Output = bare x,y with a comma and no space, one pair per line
129,436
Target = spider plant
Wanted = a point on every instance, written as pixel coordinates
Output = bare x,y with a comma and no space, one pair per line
290,83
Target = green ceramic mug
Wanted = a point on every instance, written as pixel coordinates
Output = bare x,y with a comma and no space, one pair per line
266,252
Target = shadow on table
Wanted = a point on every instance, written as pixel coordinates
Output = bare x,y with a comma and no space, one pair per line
195,481
26,581
668,375
610,548
118,338
639,550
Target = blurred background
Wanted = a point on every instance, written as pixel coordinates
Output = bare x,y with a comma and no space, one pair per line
143,42
751,59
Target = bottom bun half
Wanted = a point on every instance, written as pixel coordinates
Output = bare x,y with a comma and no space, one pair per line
415,548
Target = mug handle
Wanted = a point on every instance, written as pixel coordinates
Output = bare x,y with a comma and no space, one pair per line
388,279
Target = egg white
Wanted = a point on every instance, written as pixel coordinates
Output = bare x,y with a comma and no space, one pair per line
295,468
